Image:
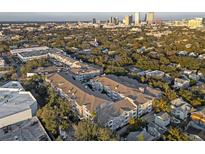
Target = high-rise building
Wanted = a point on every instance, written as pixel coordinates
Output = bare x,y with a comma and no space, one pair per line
137,18
150,17
94,21
128,20
111,20
116,21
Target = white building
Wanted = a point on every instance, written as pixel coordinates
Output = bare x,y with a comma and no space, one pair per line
60,56
16,51
180,108
37,54
15,104
181,83
155,74
137,18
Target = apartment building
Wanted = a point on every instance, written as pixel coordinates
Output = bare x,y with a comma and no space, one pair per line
83,99
116,114
118,88
85,72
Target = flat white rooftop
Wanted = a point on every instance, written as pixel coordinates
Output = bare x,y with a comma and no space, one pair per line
13,99
13,84
15,51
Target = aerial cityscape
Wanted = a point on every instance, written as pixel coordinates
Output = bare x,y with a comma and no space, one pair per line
137,76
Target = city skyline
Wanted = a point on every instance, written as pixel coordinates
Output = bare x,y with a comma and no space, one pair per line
88,16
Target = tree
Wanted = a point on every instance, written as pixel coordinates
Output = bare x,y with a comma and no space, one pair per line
174,134
49,118
161,105
141,137
88,131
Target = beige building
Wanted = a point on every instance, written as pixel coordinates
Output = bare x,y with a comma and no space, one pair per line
15,104
195,23
82,99
150,17
128,20
94,104
117,88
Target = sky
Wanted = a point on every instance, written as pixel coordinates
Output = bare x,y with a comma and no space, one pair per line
87,16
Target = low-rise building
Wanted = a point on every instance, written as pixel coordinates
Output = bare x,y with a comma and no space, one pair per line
2,62
155,74
27,130
35,49
181,83
60,56
140,136
37,54
182,53
15,104
85,72
116,114
193,54
121,87
180,108
92,104
162,119
84,100
202,56
199,118
155,130
44,71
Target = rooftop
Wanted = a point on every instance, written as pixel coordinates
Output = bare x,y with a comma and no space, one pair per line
29,49
13,100
178,102
28,130
84,70
163,115
135,136
129,88
13,85
76,90
34,53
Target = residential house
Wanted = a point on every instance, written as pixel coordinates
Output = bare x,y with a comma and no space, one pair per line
181,83
199,118
2,62
182,53
202,56
180,108
140,136
155,130
162,119
155,74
